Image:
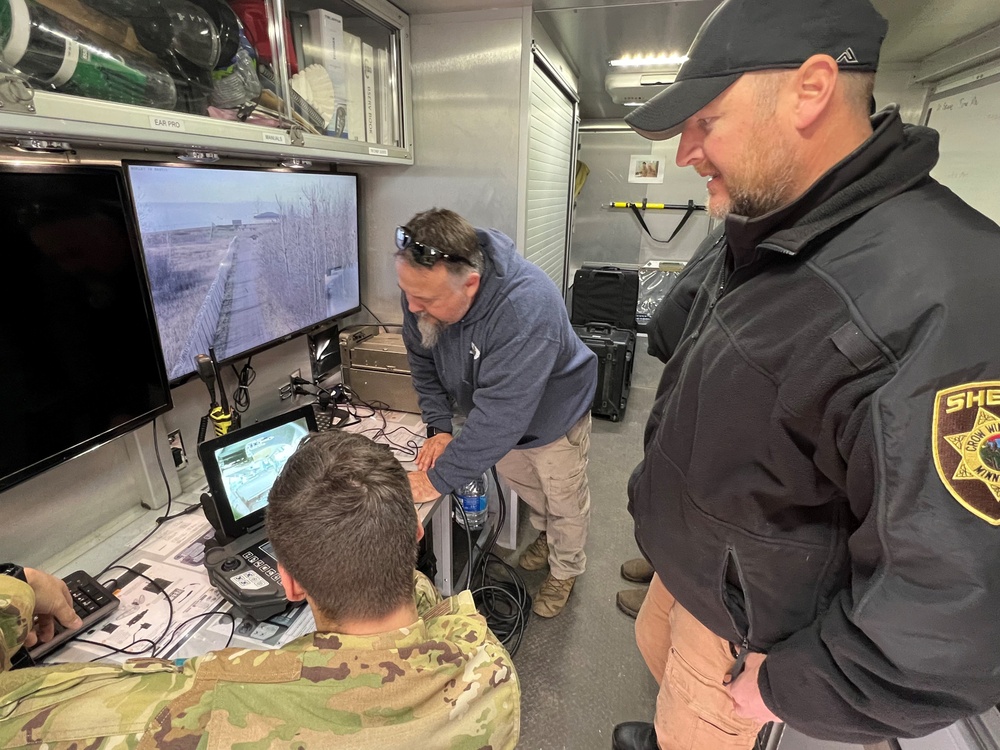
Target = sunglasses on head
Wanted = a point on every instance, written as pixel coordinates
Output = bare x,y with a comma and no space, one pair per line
423,254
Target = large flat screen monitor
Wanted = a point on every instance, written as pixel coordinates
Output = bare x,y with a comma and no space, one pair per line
242,259
80,362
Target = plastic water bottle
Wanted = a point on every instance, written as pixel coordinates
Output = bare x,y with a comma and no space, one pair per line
473,499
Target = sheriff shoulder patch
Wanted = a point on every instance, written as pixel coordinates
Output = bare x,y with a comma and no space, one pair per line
967,446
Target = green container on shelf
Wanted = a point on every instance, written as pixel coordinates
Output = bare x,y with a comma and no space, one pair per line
56,52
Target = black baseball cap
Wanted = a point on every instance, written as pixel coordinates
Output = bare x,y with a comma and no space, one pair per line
746,35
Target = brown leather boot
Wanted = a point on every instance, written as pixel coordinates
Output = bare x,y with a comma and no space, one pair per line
536,555
637,570
630,600
552,597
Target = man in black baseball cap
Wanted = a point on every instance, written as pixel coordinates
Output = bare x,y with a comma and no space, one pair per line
812,489
743,36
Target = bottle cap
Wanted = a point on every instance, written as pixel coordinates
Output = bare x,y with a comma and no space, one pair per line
19,32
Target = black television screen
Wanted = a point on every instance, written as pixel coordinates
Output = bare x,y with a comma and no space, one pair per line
80,362
241,259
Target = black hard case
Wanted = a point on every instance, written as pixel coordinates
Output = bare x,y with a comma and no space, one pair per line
615,350
606,294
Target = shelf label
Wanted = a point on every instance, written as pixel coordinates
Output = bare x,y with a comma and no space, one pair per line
378,151
158,122
277,137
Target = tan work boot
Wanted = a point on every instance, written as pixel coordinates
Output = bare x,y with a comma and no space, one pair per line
552,596
536,556
637,570
630,600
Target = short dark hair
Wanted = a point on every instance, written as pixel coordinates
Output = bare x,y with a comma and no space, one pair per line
449,233
342,522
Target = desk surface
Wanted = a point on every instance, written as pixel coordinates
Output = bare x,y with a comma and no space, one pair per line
173,555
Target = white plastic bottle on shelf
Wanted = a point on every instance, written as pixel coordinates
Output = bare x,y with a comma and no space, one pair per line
472,496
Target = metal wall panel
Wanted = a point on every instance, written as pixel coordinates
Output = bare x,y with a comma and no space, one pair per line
466,109
550,161
598,233
613,235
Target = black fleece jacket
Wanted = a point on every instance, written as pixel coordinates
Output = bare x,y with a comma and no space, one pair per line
821,477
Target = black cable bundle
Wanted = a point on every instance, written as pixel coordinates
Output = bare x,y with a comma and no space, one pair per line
500,596
241,395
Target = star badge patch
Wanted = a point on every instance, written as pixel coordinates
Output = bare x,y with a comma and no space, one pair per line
967,446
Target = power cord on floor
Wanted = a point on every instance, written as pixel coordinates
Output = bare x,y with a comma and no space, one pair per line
499,592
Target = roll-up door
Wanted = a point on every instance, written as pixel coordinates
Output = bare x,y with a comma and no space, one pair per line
551,168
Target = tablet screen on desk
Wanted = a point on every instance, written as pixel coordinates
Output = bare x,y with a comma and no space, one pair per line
242,465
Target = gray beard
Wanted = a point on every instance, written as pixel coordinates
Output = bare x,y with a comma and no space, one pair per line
430,330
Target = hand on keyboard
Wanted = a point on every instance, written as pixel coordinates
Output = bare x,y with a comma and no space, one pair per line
53,604
91,602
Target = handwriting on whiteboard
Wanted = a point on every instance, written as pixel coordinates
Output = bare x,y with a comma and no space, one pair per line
962,103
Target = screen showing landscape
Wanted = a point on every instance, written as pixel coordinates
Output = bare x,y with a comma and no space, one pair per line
242,259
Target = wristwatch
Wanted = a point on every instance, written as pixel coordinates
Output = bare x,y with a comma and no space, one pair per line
13,570
432,431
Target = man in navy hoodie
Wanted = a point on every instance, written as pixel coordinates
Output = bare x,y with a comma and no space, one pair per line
488,338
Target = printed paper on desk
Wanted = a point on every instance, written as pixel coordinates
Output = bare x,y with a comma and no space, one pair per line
144,613
176,535
272,633
214,634
194,553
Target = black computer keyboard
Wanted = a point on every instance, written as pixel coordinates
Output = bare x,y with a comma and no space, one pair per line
92,602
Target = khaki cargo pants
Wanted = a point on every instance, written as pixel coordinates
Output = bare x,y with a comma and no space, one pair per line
552,481
693,708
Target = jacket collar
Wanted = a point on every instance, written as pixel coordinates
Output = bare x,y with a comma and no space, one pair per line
895,158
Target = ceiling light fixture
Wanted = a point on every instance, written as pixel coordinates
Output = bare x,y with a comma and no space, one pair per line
634,61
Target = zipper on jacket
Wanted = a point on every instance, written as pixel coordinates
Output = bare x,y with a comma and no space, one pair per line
722,283
715,298
724,277
776,248
737,669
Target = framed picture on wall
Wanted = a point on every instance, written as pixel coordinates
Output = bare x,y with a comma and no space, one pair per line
645,168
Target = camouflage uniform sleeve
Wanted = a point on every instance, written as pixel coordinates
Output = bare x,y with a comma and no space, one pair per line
425,593
17,603
484,693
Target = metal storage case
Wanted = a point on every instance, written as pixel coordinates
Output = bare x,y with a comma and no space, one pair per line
374,366
86,74
615,350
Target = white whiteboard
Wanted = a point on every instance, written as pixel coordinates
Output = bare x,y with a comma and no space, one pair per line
968,119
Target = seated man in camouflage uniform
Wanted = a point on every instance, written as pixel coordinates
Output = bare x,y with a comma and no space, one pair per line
343,525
